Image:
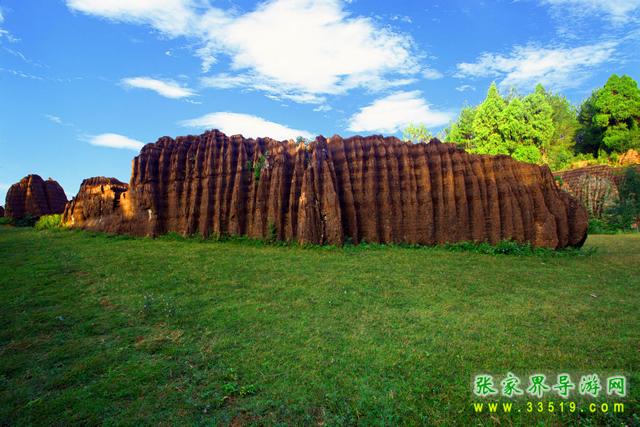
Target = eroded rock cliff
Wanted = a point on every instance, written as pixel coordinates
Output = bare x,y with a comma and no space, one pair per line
370,189
35,197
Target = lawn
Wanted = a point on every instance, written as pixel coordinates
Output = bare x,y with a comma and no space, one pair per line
115,330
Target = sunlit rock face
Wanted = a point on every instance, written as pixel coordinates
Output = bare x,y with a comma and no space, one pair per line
99,198
33,196
371,189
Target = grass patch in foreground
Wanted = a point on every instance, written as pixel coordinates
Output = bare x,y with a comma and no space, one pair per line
112,329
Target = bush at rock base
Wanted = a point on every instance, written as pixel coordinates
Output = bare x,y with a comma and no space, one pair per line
49,222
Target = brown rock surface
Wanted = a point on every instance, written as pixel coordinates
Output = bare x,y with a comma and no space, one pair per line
35,197
98,199
370,189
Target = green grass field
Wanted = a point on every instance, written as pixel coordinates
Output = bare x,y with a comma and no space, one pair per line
101,329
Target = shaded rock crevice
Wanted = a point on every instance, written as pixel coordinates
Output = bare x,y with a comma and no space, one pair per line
371,189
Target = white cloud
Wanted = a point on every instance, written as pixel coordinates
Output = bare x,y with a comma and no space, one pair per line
166,88
616,11
395,112
295,49
54,119
4,33
113,140
431,74
225,81
464,88
323,108
558,68
172,17
247,125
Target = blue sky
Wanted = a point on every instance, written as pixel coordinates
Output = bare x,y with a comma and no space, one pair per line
84,83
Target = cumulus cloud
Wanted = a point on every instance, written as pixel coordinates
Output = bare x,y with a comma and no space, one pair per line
248,125
166,88
114,140
616,11
393,113
296,49
558,68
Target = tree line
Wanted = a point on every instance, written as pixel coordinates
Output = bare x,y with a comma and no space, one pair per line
545,128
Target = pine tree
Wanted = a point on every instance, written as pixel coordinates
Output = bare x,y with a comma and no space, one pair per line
538,119
461,131
487,122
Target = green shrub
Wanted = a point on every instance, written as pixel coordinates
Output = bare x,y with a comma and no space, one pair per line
504,247
624,213
272,233
598,226
260,164
5,220
49,222
25,221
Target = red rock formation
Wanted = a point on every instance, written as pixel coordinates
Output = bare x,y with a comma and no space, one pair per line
370,189
35,197
99,198
1,211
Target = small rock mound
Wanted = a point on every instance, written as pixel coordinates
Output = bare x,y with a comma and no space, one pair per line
33,196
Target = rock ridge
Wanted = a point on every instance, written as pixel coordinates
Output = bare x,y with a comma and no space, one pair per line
373,189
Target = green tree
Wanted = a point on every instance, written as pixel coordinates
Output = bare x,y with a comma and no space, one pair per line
514,128
610,117
487,122
416,133
560,152
461,131
520,127
626,213
538,119
527,153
